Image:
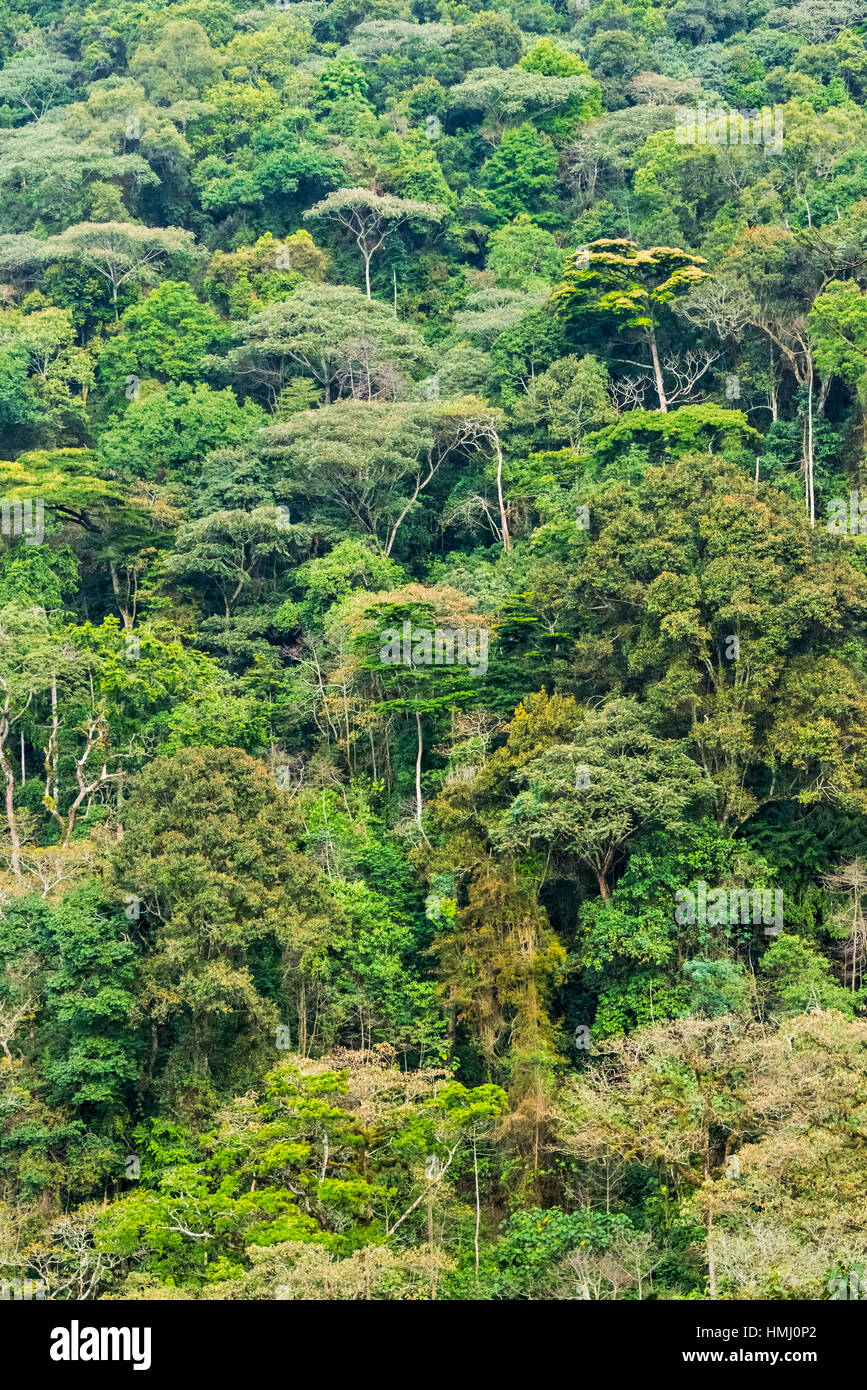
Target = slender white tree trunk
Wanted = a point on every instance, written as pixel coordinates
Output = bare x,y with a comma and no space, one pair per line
9,776
418,801
811,502
657,372
504,525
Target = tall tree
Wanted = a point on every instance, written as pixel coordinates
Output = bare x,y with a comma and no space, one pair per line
370,218
348,344
209,851
121,252
612,279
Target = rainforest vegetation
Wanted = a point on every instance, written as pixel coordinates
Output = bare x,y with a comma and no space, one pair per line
433,649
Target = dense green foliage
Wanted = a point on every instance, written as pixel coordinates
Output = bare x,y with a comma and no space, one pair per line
339,958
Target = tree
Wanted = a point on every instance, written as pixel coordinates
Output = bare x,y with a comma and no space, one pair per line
231,553
27,653
566,402
773,285
521,173
818,27
51,699
837,325
331,332
849,922
294,1168
372,462
717,633
522,255
417,684
12,1016
612,279
370,993
70,485
683,1099
500,964
488,314
453,1117
371,218
261,156
178,66
548,58
270,54
795,979
36,81
166,336
586,798
220,876
47,174
500,960
254,276
90,1051
121,252
520,94
169,432
59,375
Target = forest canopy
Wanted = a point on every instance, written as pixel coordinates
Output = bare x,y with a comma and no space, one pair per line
433,649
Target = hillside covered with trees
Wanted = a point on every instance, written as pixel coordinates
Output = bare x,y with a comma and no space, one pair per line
433,649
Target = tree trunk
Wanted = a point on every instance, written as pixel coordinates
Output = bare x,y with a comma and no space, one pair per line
302,1020
430,1242
504,525
811,498
115,585
418,802
478,1209
657,372
711,1261
9,775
